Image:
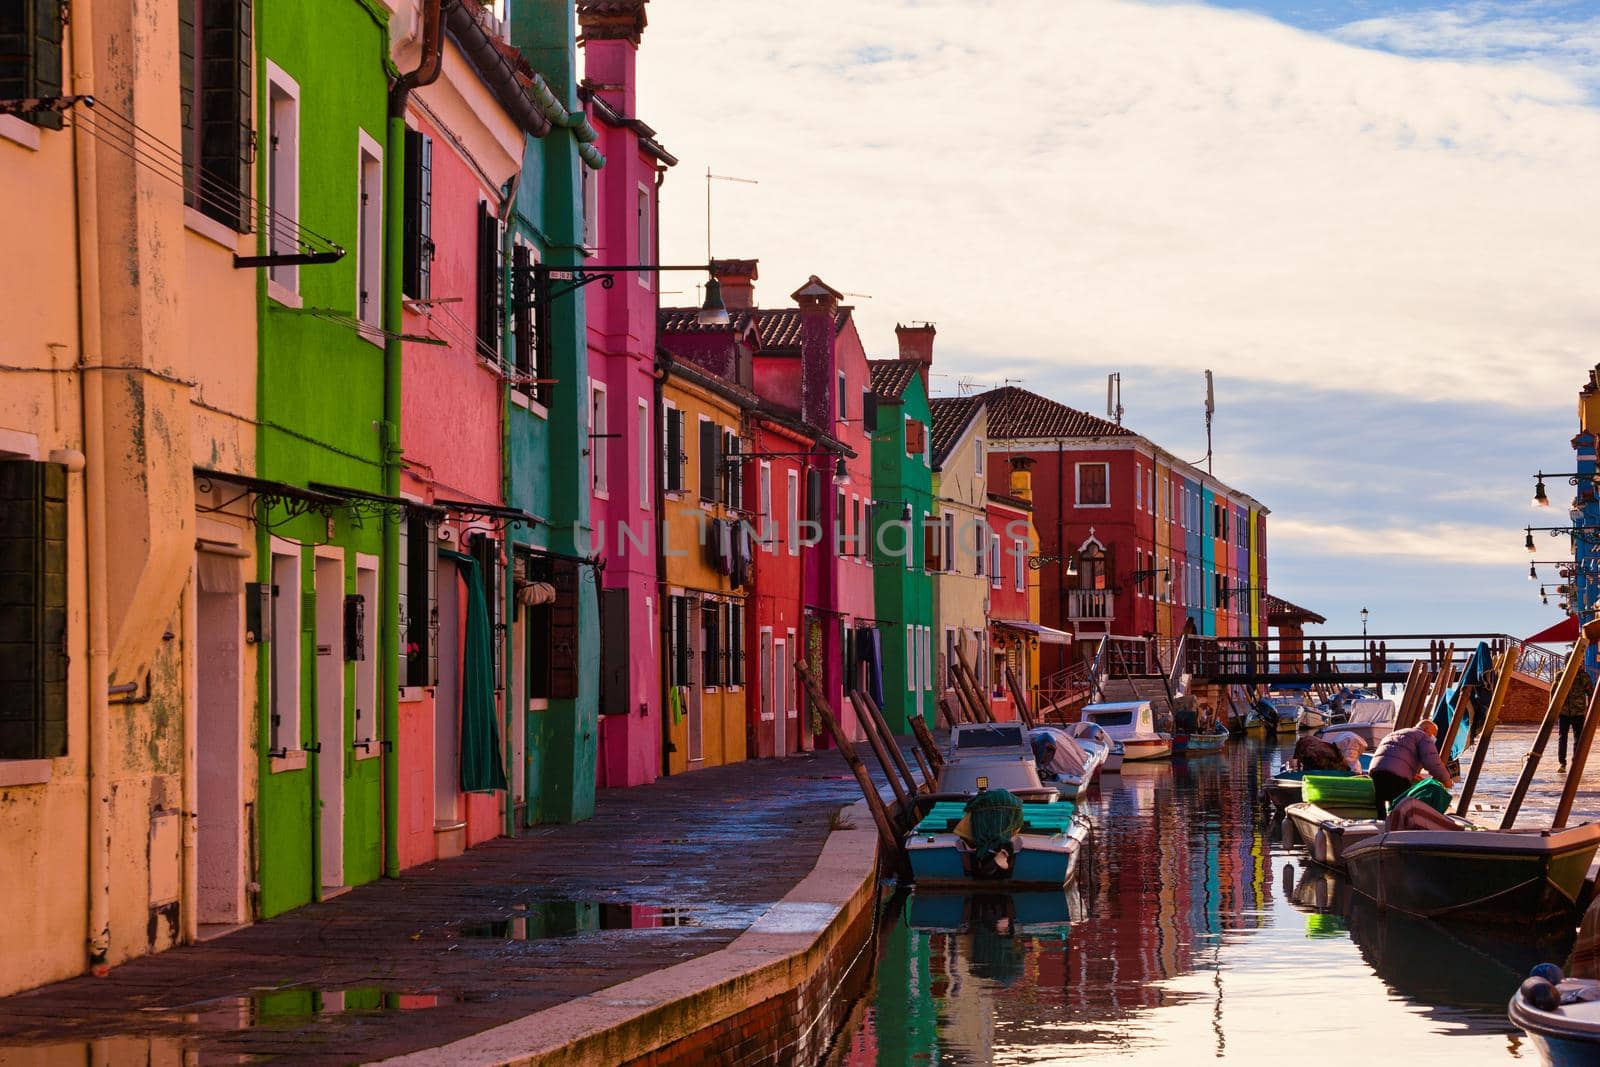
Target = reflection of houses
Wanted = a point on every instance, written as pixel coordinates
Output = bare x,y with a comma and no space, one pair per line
1290,620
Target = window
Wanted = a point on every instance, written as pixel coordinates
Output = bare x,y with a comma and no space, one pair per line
1093,491
914,437
672,472
869,411
285,665
597,438
764,499
419,617
841,529
994,561
844,399
767,681
678,638
977,452
591,216
1019,565
980,546
529,359
735,644
369,234
858,540
641,442
283,175
792,503
214,79
710,434
711,638
911,659
417,269
1138,487
33,608
645,246
932,543
947,536
732,471
488,289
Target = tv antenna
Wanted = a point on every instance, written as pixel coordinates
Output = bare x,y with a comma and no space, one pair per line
1114,397
1211,409
966,385
720,178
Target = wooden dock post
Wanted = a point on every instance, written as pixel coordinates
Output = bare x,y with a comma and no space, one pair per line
870,729
1558,697
967,686
928,744
876,715
1417,683
887,838
1502,686
1024,712
1441,685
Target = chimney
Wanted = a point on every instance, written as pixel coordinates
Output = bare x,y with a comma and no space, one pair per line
738,280
609,32
543,31
819,309
916,346
1022,477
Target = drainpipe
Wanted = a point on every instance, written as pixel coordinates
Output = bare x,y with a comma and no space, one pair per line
427,71
98,854
658,378
508,592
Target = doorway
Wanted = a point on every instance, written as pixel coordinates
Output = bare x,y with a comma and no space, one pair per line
219,825
330,713
696,687
447,703
780,698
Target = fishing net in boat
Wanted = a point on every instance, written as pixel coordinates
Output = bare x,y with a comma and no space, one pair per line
993,818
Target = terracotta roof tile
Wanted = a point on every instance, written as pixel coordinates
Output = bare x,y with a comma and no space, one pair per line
890,378
1276,607
1015,412
951,414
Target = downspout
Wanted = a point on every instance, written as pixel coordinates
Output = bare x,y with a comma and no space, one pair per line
658,378
427,71
98,853
508,592
1061,549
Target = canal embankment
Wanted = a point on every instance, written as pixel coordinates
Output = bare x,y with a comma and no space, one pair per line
719,906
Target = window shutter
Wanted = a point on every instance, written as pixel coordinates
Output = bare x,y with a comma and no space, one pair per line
521,265
46,58
673,475
411,249
224,104
708,460
869,412
33,610
188,33
813,495
564,630
488,282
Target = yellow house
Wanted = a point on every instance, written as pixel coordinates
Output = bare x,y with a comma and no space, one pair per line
707,555
957,535
127,394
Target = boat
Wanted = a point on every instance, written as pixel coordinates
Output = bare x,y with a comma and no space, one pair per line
1283,788
947,848
1065,762
1086,733
1288,718
1131,723
1202,744
1311,718
1370,720
1525,877
991,755
1560,1015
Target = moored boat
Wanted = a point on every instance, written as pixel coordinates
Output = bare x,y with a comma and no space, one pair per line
1284,787
1527,877
1560,1015
1371,720
1086,733
1131,724
949,847
1312,718
1201,744
1069,764
992,756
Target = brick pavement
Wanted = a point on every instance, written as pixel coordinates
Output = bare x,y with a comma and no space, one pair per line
661,873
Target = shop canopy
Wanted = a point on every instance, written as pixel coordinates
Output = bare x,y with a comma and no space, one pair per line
1562,633
1045,634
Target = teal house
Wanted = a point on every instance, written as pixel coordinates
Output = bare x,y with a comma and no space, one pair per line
321,94
554,636
897,417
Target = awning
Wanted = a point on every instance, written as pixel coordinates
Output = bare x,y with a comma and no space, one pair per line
1045,634
1564,632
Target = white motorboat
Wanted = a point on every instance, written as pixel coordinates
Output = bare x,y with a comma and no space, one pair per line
994,755
1131,724
1089,733
1371,720
1066,762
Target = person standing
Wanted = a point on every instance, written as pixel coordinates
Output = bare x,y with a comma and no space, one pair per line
1572,713
1401,758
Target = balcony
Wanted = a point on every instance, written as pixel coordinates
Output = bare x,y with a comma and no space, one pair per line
1091,605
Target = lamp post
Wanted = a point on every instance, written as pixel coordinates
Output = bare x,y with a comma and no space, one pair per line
1364,614
1541,499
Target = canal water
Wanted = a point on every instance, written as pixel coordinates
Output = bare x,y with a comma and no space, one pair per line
1195,934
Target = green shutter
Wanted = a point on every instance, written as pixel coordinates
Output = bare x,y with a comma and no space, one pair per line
33,610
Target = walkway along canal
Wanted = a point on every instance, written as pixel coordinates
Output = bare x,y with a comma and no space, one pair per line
1197,935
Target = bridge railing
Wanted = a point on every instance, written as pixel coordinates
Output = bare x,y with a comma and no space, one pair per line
1354,657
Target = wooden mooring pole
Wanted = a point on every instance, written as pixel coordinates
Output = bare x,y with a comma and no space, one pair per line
971,691
889,740
1502,686
870,730
887,838
929,746
1024,712
1558,697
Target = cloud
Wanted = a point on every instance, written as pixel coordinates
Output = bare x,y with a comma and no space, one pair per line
1116,184
1440,542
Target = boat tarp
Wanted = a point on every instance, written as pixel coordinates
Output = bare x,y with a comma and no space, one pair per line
1430,791
1474,675
481,768
1370,712
1057,752
993,818
1338,790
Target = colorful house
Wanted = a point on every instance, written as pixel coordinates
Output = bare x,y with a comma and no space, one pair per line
620,226
554,624
897,417
463,147
706,560
1015,633
957,538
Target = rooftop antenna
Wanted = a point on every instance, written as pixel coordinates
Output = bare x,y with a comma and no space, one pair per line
966,385
1211,409
1114,397
858,296
721,178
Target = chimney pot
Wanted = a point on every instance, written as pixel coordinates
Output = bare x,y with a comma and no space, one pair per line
737,278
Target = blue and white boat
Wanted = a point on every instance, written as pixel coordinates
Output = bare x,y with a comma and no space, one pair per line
1043,852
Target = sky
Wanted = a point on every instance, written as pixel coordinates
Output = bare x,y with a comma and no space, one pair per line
1374,220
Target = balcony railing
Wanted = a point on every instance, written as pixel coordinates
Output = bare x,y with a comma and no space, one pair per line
1091,605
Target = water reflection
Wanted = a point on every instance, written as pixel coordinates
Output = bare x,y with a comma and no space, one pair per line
1197,935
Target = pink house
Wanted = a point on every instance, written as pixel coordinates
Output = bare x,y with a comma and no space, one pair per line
620,228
